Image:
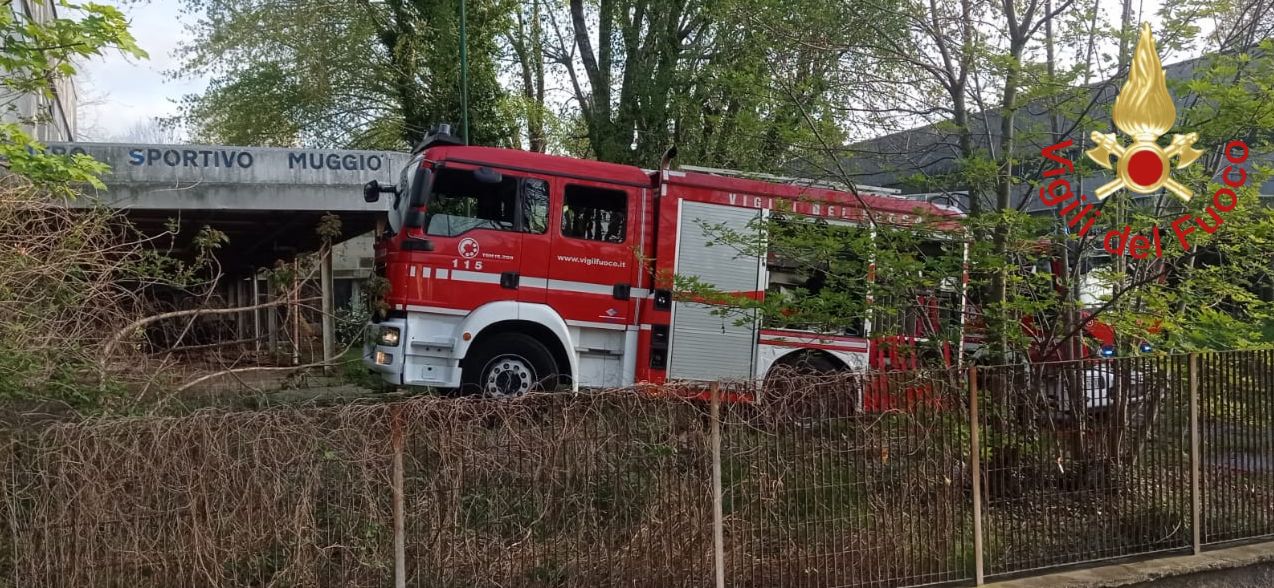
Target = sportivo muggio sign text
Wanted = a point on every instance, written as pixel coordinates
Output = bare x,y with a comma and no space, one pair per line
212,164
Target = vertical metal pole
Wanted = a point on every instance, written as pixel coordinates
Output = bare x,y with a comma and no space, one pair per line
1196,505
718,534
400,538
256,312
329,318
464,73
975,459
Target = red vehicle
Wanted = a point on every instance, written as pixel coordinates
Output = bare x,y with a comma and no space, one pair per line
510,270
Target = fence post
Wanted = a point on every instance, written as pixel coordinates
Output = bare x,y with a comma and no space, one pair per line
975,458
328,321
1196,504
718,533
400,540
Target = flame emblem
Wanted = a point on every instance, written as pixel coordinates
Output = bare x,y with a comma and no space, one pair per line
1144,110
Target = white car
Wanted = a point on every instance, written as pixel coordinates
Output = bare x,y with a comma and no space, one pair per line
1097,383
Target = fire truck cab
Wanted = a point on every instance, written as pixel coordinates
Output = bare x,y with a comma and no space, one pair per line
509,270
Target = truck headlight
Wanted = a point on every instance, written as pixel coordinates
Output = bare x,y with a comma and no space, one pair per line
388,336
383,358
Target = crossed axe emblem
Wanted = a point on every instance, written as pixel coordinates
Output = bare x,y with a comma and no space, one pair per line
1144,166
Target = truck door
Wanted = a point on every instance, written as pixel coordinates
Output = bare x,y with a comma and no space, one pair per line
475,231
537,239
593,265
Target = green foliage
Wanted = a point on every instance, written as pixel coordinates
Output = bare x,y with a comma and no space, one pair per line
36,53
372,75
25,156
822,278
1215,294
35,58
352,369
70,276
351,323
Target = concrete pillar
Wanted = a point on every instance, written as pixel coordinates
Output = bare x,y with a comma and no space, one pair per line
256,313
232,301
294,312
241,317
329,318
272,321
356,294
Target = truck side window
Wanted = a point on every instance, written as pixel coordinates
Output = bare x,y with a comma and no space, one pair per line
596,214
459,203
535,206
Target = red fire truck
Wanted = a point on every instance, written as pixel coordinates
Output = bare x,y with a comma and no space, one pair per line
510,270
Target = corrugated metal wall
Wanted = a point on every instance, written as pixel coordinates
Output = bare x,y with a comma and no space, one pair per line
707,346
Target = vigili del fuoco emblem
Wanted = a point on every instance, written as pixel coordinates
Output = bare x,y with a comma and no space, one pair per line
1144,111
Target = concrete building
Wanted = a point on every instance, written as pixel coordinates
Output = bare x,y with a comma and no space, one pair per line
270,203
47,118
266,200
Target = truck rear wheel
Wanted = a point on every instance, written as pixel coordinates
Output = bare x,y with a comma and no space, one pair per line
812,384
509,365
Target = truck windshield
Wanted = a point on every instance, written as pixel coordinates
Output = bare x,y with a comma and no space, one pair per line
459,203
402,198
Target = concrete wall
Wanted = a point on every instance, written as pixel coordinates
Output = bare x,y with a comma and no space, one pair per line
352,259
46,118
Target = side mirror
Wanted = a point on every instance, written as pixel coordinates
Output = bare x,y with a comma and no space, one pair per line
486,175
372,191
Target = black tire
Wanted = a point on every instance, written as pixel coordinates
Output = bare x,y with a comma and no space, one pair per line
809,385
508,365
800,365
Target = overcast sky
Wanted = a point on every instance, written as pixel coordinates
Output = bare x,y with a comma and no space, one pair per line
117,93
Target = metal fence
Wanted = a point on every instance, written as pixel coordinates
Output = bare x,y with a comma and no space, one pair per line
1069,463
1092,464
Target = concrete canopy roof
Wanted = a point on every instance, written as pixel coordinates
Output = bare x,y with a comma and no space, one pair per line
268,201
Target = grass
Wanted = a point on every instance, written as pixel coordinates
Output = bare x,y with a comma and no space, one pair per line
353,372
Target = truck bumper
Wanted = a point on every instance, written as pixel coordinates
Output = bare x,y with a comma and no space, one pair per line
387,360
424,355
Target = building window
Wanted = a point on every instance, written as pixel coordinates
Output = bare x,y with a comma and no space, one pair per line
596,214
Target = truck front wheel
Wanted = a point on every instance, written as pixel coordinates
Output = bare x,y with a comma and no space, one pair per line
508,365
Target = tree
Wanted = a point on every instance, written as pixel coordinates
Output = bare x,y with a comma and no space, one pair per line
67,273
722,80
153,131
350,74
526,41
1001,58
35,56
